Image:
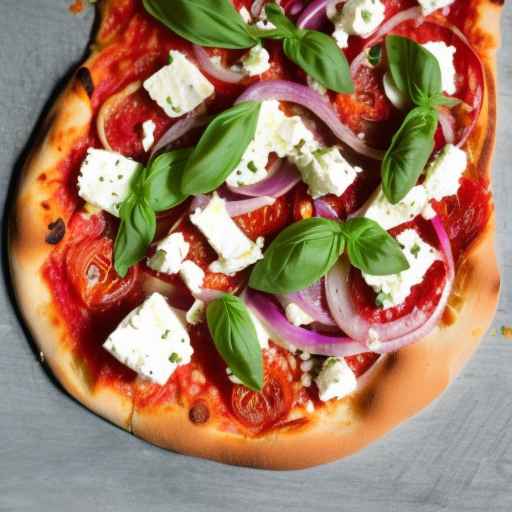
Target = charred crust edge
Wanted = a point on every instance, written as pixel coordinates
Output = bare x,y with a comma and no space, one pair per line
57,231
83,75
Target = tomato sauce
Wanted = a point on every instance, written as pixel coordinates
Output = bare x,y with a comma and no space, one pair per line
93,301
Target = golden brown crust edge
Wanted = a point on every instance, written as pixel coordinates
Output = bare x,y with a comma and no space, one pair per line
393,391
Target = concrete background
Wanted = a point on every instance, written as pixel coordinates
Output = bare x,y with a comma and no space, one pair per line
56,455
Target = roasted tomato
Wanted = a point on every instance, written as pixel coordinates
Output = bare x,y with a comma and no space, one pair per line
92,273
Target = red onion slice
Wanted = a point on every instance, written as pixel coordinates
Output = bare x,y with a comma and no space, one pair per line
310,300
446,121
235,208
257,7
284,90
217,72
279,181
272,316
325,210
313,15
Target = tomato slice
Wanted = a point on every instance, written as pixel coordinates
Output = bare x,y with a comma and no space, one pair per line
261,410
92,273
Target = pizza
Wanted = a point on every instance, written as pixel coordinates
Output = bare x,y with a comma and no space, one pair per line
263,233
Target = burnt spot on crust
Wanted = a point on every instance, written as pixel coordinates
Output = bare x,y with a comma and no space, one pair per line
45,205
365,401
57,232
199,413
84,77
498,2
42,177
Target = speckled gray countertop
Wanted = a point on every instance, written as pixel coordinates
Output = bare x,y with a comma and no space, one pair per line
56,455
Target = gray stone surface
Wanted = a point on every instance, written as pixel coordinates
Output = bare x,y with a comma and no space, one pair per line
56,455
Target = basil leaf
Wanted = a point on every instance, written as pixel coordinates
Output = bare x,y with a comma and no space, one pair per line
214,23
372,249
284,26
299,256
447,101
414,69
162,185
408,153
235,338
136,231
220,148
374,54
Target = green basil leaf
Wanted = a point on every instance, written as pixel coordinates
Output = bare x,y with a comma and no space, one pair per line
220,148
414,69
375,54
162,184
408,153
317,54
372,249
214,23
299,256
285,27
136,231
235,338
447,101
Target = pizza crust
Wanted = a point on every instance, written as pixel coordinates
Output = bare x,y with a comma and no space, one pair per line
392,391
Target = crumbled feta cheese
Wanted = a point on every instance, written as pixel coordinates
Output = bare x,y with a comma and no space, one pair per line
104,179
325,171
179,87
235,250
316,85
444,173
192,275
357,17
292,137
297,316
246,15
394,95
196,314
391,215
261,331
169,255
148,134
445,56
392,290
232,377
151,340
429,6
335,380
256,61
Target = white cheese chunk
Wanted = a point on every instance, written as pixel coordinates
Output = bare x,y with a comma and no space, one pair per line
316,85
148,134
151,340
357,17
179,87
169,255
192,275
429,6
297,316
261,332
105,178
196,314
392,290
235,250
256,61
391,215
444,173
445,56
325,171
335,380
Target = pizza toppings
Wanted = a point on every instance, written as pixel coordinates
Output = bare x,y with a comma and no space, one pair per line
151,340
445,57
335,379
57,230
297,316
105,178
429,6
148,132
170,254
179,87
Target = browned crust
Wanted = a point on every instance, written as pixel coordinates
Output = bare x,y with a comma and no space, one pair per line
395,388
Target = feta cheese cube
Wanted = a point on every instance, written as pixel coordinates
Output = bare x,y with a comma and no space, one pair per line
429,6
169,255
392,290
256,61
357,17
296,315
179,87
391,215
148,134
105,178
325,171
444,173
335,380
192,275
235,250
196,314
151,340
445,56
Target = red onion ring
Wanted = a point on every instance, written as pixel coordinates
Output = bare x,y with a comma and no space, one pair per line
235,208
313,15
325,210
284,90
280,180
219,73
409,327
446,121
272,316
310,301
257,7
